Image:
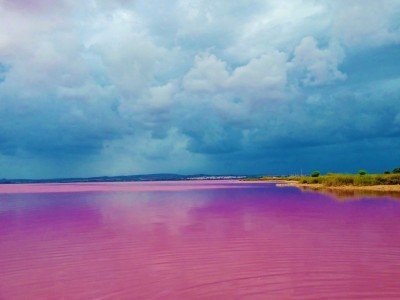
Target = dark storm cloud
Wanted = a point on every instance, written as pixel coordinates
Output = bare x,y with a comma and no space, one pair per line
115,87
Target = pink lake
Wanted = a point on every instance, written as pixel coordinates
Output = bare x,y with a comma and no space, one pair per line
195,240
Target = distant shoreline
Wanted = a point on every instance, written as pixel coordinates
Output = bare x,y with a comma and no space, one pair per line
126,178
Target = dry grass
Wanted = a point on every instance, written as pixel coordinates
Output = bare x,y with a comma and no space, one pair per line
342,182
333,180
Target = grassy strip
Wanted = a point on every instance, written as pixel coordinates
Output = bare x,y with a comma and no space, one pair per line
348,179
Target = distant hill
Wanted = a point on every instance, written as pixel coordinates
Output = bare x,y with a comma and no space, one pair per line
145,177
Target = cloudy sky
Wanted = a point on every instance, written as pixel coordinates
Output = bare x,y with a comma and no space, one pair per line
111,87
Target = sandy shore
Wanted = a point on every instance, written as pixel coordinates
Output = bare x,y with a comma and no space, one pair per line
346,192
371,188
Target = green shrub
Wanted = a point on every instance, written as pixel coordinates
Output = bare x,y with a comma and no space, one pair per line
386,172
362,172
396,170
315,174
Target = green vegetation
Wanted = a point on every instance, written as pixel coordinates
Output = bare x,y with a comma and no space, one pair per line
315,174
350,179
337,179
362,172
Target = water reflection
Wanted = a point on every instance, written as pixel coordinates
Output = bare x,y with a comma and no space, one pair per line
230,241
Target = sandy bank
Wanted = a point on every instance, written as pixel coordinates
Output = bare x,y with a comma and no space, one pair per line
321,187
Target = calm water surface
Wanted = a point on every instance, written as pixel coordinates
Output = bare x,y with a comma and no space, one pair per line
195,240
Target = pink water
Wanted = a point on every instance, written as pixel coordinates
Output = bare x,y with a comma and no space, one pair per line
195,240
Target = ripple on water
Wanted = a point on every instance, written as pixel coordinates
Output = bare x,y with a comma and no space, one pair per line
261,243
